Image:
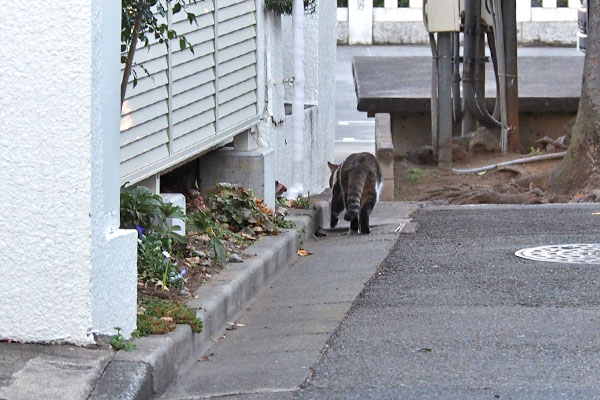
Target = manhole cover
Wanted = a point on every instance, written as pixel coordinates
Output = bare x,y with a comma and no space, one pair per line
587,253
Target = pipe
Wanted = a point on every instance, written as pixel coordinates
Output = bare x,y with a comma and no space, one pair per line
512,85
434,95
297,189
543,157
492,43
444,100
474,100
499,37
457,111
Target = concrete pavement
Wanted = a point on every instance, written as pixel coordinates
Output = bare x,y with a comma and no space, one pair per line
48,372
284,330
454,314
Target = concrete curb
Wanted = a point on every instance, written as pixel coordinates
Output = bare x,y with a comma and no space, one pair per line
155,363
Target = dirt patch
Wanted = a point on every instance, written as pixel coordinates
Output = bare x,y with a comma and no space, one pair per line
417,182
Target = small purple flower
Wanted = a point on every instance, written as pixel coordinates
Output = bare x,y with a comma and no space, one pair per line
183,272
140,230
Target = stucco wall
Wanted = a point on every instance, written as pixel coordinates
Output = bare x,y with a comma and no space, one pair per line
56,223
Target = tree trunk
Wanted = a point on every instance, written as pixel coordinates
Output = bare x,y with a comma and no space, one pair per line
130,55
580,168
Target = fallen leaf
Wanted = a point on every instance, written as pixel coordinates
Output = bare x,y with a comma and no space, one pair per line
304,253
258,229
481,173
246,236
168,320
205,358
578,196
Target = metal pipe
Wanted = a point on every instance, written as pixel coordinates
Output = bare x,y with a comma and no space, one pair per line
457,111
445,100
492,43
474,101
434,95
543,157
499,36
509,14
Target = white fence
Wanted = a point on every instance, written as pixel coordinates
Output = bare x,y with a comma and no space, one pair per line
191,102
361,23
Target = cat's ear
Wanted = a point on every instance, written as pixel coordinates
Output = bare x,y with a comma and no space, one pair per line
332,167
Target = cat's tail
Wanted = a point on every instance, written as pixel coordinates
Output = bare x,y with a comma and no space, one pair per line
354,197
353,208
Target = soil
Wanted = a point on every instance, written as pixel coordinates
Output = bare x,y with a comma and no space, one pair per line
416,182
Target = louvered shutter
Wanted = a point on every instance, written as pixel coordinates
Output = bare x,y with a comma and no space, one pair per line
192,101
236,61
145,112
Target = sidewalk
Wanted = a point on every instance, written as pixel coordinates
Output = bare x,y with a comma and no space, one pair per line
29,371
34,371
283,332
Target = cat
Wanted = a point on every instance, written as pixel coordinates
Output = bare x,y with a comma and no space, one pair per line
356,185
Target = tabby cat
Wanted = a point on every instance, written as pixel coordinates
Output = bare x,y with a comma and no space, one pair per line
356,185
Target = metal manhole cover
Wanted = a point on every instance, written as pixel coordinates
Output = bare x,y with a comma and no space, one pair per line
587,253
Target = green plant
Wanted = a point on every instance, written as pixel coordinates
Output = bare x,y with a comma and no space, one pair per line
534,151
138,21
118,342
156,314
285,6
146,212
202,222
302,202
415,175
241,211
154,261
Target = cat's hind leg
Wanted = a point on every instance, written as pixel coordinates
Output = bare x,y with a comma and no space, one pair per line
365,212
354,226
337,206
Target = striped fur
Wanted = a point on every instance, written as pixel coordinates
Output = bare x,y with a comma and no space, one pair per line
356,185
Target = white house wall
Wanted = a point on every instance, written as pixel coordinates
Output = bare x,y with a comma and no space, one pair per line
57,219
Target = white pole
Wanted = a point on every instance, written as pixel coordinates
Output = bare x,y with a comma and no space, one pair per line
297,188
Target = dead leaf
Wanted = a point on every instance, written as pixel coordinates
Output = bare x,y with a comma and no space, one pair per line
578,196
168,320
304,253
250,237
204,358
258,229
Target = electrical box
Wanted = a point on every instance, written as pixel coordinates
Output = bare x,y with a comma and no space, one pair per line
445,15
441,15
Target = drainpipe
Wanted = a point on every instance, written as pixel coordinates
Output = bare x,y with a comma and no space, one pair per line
297,188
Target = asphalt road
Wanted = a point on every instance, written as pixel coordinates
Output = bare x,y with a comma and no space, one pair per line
453,314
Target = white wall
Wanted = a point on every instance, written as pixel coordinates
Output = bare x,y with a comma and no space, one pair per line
68,272
320,61
550,25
